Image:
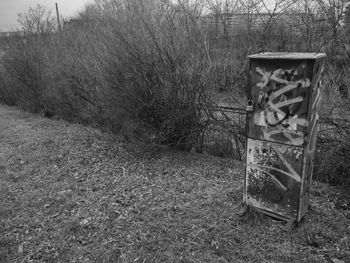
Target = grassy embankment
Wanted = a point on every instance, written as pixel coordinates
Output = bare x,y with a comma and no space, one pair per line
71,193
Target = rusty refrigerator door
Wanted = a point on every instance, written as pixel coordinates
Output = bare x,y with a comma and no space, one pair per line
284,92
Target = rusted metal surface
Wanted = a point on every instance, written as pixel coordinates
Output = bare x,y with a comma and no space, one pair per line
282,127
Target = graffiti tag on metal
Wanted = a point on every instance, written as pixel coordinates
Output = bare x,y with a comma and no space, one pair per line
281,93
273,176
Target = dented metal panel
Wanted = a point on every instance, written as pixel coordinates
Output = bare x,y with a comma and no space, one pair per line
285,91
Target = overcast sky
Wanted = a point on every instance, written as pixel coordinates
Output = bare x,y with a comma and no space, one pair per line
10,8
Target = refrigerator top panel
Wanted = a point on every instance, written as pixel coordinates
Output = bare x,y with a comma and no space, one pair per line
287,55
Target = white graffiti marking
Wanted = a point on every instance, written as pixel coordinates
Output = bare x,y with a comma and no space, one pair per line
293,174
287,102
272,114
298,140
314,121
259,168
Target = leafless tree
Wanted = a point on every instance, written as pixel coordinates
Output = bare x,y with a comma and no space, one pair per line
37,20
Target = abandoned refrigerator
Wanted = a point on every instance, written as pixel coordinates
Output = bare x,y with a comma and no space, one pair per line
283,96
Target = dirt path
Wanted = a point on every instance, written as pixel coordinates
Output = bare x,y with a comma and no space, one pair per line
70,193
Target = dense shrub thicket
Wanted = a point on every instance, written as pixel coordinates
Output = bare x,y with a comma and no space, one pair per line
155,69
333,149
124,65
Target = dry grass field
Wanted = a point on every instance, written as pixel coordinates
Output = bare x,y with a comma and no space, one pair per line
70,193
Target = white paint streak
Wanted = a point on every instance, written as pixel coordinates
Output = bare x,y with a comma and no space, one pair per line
260,167
288,102
295,141
265,77
312,144
287,133
283,90
316,100
273,107
277,181
294,174
276,74
259,118
272,117
296,120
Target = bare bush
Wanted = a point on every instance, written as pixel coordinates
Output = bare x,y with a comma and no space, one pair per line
333,152
37,20
160,69
126,61
26,58
152,56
